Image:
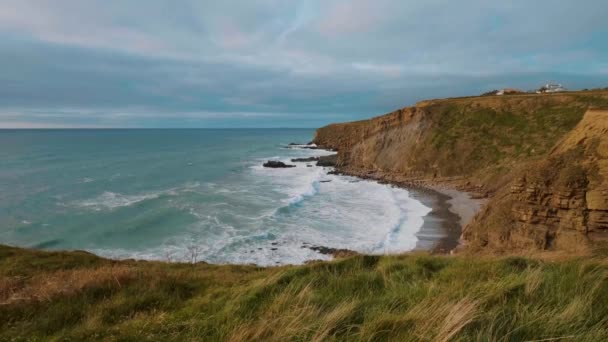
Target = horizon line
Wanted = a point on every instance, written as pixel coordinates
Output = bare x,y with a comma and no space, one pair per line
137,128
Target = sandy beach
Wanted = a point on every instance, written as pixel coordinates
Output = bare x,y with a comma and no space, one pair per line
462,204
452,209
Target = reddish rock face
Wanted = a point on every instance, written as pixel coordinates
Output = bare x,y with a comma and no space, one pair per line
559,203
545,211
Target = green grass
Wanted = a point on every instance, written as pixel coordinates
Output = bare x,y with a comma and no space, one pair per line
483,136
77,296
485,132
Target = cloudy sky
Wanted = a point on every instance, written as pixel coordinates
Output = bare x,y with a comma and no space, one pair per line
280,63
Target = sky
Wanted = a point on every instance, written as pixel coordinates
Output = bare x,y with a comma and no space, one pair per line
280,63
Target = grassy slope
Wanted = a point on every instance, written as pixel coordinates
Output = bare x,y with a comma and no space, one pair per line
486,136
490,135
409,297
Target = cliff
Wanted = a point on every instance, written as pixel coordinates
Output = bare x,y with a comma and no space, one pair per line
560,202
517,150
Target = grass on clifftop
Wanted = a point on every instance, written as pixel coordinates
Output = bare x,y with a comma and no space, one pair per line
79,296
501,134
488,132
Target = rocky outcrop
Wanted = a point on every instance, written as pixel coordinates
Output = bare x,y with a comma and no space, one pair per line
277,164
329,161
335,252
304,160
558,203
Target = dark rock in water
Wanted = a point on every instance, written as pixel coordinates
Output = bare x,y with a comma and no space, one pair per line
324,181
302,160
335,252
274,243
328,160
274,249
277,164
308,165
333,172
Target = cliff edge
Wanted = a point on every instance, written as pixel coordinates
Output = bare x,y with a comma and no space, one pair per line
540,159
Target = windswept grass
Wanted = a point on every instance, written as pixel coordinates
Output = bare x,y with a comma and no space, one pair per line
78,296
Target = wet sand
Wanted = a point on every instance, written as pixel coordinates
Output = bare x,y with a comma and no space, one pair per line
451,211
441,229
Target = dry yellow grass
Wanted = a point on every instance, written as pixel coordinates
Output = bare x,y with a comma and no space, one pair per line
363,298
43,287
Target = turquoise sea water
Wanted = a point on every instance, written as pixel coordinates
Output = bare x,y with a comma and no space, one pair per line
160,194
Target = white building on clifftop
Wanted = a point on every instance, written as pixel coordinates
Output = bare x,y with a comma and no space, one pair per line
551,88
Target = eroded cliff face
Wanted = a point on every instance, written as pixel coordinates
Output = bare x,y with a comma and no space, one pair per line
558,203
541,164
480,138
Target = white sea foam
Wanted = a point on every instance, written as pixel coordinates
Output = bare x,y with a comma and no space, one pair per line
302,146
109,200
112,200
344,213
402,235
312,189
301,184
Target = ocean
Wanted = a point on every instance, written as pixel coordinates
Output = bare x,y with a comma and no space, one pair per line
179,194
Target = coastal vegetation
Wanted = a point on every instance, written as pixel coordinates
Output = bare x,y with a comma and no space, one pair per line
410,297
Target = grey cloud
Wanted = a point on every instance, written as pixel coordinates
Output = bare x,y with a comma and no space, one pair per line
301,63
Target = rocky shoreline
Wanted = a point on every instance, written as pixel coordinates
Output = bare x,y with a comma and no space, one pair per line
451,208
324,161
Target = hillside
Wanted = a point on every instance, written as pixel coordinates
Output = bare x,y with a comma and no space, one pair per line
78,296
483,145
